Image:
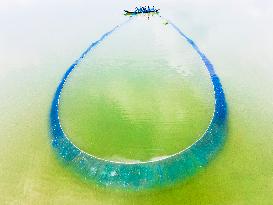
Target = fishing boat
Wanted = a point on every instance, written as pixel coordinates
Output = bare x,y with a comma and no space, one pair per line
132,13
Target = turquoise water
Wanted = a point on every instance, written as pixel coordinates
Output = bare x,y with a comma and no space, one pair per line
39,42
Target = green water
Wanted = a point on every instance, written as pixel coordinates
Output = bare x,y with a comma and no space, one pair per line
38,44
124,103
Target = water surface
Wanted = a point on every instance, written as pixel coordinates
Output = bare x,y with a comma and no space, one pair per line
39,40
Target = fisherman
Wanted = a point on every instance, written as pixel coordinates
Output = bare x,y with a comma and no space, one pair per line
149,10
145,9
153,9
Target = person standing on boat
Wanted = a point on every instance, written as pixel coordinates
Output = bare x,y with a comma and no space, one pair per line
145,9
136,10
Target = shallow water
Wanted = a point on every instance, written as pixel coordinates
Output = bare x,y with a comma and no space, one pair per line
40,40
138,101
